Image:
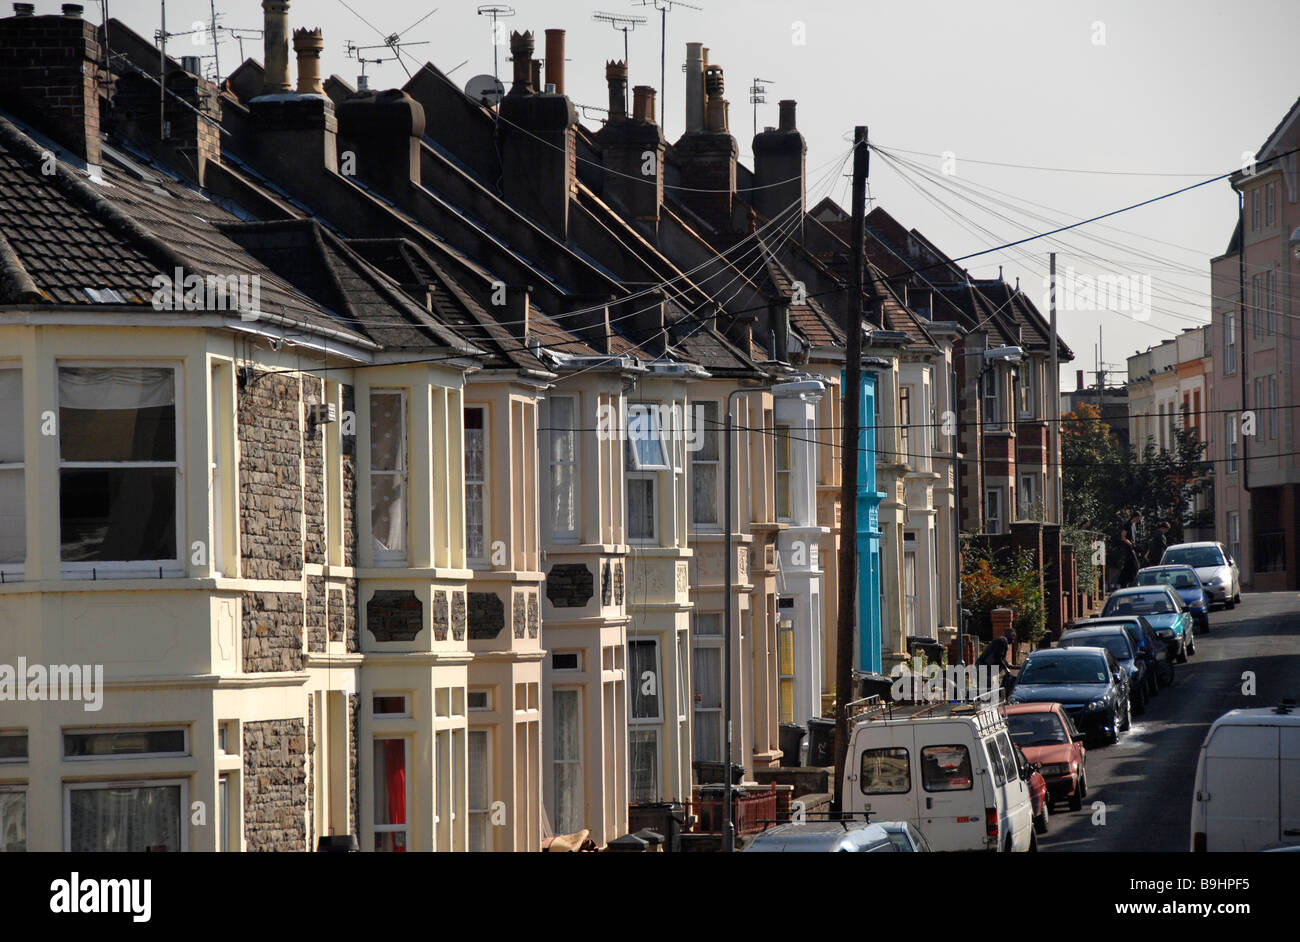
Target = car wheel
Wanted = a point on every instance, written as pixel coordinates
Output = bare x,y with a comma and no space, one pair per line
1182,653
1113,736
1033,842
1080,793
1229,604
1128,715
1040,822
1141,706
1236,599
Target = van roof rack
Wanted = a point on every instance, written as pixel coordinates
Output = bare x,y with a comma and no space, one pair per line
1286,706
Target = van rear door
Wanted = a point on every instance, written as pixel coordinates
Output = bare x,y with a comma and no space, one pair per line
881,772
1289,784
1241,782
950,798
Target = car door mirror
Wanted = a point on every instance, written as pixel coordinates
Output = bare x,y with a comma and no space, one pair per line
1077,737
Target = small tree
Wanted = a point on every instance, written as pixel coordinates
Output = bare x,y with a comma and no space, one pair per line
990,582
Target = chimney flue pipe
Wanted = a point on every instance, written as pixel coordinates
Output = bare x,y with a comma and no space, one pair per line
275,39
555,59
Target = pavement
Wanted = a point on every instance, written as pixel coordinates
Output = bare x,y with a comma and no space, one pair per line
1144,781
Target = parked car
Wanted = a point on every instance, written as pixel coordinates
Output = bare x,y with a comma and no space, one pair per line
1037,790
1184,581
1050,741
1246,794
947,769
1119,643
1155,650
855,837
1215,567
1087,682
1163,609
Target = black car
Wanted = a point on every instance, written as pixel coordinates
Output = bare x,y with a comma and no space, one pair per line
1087,682
1119,643
1149,643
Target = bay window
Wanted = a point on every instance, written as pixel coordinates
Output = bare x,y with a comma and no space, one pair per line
476,511
13,498
119,500
388,475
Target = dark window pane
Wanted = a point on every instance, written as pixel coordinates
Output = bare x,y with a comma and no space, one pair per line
125,743
117,414
131,819
643,674
13,746
118,515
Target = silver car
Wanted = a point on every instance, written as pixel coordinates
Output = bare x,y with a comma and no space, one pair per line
852,836
1216,569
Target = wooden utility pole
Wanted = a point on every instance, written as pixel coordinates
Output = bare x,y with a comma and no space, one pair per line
849,471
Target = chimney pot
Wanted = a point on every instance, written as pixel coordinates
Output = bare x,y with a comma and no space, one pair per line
275,39
536,83
307,45
643,104
616,77
694,87
73,9
787,115
363,83
521,54
555,59
24,9
192,65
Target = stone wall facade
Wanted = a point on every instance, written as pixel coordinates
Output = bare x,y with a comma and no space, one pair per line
270,485
313,457
275,785
273,624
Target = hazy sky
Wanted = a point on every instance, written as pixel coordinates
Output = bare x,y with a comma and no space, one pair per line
1160,94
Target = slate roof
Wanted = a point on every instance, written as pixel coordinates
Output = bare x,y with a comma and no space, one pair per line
64,234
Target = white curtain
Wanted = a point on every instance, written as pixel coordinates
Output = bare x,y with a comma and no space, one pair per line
115,388
563,454
126,819
566,751
707,679
478,790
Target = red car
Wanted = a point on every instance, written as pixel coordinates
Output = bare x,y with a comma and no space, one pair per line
1037,790
1054,747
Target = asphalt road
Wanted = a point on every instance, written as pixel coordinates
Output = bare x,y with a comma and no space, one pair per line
1145,780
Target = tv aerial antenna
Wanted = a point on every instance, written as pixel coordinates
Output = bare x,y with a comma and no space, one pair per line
393,42
758,96
625,24
664,7
496,11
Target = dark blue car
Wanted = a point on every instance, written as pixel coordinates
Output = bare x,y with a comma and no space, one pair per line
1184,581
1088,683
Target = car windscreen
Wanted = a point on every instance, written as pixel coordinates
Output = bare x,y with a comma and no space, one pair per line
1177,578
1047,669
1139,603
1117,644
1036,729
1198,557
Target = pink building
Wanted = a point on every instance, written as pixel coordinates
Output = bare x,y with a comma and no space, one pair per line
1253,380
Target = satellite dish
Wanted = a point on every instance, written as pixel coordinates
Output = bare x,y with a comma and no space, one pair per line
485,89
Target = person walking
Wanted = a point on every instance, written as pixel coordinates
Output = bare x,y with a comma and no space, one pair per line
1158,544
1128,551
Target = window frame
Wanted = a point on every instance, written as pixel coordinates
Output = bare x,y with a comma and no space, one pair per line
862,779
657,434
989,516
713,715
655,791
187,749
174,567
472,813
634,684
970,765
715,462
573,462
482,482
1230,442
20,788
652,477
578,760
786,680
102,784
389,557
405,828
15,732
781,455
1229,343
17,569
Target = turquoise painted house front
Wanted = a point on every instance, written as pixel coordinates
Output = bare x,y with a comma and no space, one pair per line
868,589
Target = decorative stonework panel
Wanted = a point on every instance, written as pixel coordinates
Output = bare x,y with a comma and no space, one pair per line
441,616
606,586
519,615
487,615
570,585
619,582
395,615
534,615
458,616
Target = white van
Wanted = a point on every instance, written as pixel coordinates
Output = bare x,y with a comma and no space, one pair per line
1247,789
947,768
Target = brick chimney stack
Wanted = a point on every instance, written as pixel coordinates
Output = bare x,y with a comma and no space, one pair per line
616,78
307,45
275,39
632,151
780,161
49,76
643,104
555,59
708,157
538,142
384,130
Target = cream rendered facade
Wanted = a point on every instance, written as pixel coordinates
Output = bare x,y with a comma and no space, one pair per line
584,605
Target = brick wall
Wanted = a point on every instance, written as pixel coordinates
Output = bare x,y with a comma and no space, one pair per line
275,785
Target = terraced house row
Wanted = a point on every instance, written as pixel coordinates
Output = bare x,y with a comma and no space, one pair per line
372,444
